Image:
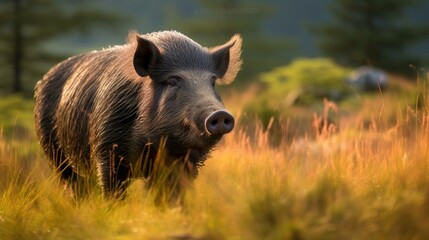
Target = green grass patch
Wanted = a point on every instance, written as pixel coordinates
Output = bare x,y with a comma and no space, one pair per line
16,116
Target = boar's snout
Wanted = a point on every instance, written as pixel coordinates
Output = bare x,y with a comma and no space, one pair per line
219,122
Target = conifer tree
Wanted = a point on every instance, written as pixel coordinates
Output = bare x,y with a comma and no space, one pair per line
375,33
25,25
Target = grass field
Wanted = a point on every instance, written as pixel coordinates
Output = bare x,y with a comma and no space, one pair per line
366,178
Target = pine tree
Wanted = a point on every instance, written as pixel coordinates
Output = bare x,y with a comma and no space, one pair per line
26,24
375,33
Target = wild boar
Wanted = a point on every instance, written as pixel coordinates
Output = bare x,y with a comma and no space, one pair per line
111,109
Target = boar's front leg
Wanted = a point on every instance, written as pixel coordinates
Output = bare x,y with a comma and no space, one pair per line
111,142
111,151
113,172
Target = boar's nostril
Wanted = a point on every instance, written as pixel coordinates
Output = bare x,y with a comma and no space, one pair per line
219,122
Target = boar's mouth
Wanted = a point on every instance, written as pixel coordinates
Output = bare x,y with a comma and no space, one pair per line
197,150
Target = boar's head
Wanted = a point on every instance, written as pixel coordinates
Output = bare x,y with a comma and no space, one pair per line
180,101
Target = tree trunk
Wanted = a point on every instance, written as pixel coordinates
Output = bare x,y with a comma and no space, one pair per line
17,47
370,49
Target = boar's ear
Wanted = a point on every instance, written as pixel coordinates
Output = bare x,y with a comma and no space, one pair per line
227,59
145,57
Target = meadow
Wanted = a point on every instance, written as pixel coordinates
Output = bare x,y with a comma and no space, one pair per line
365,176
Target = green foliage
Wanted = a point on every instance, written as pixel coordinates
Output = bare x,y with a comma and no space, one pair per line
306,79
304,82
372,33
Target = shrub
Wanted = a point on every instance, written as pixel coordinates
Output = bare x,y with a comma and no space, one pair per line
306,80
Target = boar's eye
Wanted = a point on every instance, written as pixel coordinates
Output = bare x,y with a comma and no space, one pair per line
173,81
213,81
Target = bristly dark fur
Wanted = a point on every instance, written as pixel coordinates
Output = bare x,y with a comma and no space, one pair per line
97,110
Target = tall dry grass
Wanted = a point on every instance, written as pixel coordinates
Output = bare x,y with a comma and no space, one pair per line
352,180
